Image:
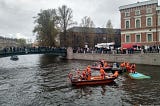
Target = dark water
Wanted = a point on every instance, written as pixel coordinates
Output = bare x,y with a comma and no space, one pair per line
41,80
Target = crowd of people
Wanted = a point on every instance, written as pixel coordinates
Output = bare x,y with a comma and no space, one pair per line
27,49
129,67
142,49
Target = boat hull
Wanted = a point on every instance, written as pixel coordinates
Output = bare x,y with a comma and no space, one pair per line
96,81
14,58
137,75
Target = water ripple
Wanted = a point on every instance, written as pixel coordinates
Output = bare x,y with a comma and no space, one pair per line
41,80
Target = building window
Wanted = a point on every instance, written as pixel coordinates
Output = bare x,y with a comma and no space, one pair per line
138,38
149,21
127,14
128,39
137,12
149,38
159,36
137,23
149,10
158,20
127,24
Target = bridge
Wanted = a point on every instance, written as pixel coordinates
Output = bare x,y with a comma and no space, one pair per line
41,50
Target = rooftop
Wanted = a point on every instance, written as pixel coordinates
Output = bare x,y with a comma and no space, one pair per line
94,30
138,4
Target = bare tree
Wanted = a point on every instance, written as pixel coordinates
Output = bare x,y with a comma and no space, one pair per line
87,22
87,30
110,31
109,24
65,16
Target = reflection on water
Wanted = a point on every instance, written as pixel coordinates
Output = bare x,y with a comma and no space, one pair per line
41,80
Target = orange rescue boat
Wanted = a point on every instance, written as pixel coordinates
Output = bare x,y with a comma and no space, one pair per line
95,80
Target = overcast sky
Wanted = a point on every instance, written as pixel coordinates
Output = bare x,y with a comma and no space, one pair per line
16,16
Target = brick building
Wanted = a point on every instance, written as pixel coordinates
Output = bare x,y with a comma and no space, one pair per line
80,36
140,24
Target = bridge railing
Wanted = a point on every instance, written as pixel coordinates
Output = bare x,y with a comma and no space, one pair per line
41,50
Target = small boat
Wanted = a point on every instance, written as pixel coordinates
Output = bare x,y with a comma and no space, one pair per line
138,75
103,63
14,57
108,68
95,80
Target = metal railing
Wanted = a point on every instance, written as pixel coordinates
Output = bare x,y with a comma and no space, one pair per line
32,50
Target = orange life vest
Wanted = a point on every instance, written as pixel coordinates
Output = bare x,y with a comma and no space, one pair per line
102,72
116,74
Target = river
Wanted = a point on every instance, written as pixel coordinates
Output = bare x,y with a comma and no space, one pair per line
41,80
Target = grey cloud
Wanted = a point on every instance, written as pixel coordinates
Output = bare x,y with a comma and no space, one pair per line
15,19
16,16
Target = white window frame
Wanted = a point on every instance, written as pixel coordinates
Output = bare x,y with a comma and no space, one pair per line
136,24
126,38
158,20
147,21
148,10
137,12
147,37
159,36
127,14
125,24
136,38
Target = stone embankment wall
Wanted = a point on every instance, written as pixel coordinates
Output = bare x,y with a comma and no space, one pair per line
149,58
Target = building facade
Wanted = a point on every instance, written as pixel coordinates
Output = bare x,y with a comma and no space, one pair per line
140,24
7,42
80,37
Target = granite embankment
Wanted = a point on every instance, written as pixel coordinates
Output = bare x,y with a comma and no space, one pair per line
148,58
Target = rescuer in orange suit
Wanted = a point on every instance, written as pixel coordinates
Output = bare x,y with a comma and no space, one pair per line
123,64
102,72
84,75
88,73
128,66
105,64
116,74
133,68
